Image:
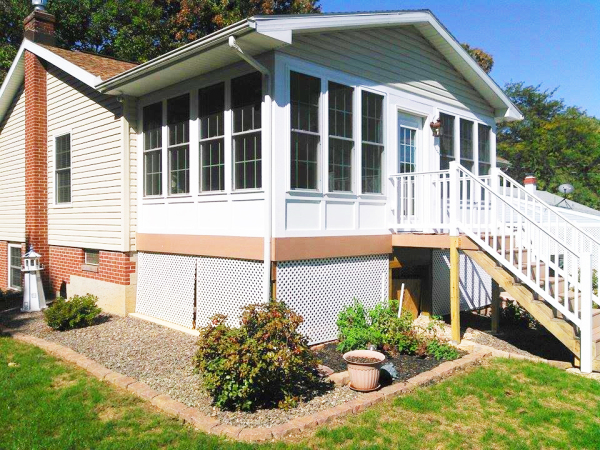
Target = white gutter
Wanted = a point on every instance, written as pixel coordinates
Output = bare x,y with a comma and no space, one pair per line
266,157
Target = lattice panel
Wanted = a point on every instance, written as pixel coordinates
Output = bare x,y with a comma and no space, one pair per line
475,284
318,289
226,285
165,288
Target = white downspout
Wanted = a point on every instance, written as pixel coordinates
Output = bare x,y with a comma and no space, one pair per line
267,165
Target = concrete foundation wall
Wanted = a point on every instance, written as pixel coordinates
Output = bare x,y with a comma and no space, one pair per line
113,298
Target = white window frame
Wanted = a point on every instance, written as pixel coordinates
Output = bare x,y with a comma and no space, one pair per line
326,75
86,252
167,147
10,267
226,86
55,137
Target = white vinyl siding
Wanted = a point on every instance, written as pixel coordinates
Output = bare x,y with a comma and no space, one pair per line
94,218
12,172
399,57
130,112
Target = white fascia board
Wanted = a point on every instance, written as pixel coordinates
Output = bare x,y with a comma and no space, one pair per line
82,75
315,22
12,82
173,56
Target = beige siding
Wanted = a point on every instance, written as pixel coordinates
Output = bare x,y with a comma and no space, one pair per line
12,172
131,116
399,57
94,217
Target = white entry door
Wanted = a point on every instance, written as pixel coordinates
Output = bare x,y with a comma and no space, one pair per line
409,159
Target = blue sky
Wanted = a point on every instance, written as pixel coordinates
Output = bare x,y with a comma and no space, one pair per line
553,43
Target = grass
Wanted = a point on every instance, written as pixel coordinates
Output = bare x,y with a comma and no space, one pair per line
506,404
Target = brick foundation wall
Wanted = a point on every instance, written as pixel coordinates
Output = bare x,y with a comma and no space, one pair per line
114,267
3,265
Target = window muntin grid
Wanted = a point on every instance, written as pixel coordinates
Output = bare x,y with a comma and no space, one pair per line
63,168
407,148
305,93
152,127
14,262
485,162
372,142
178,124
446,141
92,257
341,139
211,115
466,144
246,100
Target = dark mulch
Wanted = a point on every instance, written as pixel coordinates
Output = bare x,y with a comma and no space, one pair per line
395,368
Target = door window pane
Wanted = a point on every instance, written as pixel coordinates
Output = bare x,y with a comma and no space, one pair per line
152,128
305,93
372,142
341,142
178,124
211,101
246,102
406,149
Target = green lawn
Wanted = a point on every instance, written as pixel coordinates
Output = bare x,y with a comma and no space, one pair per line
45,404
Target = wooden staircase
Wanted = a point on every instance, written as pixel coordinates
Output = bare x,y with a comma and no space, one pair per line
544,313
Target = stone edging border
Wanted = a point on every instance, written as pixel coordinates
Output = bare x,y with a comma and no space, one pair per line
212,425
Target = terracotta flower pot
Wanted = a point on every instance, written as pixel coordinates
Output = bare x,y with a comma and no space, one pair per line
364,376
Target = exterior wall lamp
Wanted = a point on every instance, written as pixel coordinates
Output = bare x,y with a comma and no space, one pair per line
436,128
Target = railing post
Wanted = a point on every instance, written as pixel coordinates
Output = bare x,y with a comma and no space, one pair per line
586,355
454,206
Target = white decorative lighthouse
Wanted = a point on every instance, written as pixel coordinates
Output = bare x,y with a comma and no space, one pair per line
33,292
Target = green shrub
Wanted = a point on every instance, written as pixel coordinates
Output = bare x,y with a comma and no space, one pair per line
263,363
514,315
77,312
358,328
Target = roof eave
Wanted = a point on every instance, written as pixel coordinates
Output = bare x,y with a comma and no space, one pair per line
112,84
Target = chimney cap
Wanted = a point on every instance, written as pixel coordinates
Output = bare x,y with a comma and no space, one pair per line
530,179
40,5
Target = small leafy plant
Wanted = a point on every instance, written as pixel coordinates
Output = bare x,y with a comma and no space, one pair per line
265,362
77,312
358,328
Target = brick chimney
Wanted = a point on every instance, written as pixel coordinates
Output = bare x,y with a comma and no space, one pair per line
530,183
39,27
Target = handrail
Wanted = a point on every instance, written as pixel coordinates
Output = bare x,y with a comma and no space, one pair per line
550,208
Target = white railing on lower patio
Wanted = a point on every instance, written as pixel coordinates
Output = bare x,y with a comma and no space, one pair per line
520,234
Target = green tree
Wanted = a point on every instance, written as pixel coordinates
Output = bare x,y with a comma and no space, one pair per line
134,30
481,57
557,143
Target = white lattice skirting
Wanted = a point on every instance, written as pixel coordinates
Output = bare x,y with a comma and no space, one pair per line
475,284
318,289
169,284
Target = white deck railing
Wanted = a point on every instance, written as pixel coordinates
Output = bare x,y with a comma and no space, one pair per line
541,248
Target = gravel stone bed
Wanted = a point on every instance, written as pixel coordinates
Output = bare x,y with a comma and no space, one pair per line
160,357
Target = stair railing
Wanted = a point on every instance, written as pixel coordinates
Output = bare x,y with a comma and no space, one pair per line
530,251
568,232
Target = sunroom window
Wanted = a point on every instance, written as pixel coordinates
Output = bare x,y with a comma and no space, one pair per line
372,142
485,161
341,140
246,100
466,144
178,122
63,168
153,149
305,92
446,141
211,103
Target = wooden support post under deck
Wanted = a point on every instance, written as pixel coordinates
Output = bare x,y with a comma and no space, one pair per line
454,289
495,306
